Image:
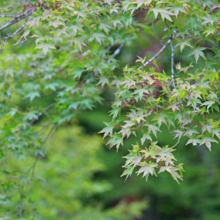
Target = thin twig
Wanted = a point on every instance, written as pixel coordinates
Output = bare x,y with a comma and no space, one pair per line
172,64
176,143
84,54
8,16
12,35
112,45
117,51
29,187
35,119
157,54
16,19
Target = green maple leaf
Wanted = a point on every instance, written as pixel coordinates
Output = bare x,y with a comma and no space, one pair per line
177,10
147,169
114,112
116,140
103,81
198,53
31,115
75,29
153,128
107,130
32,95
209,104
127,172
145,136
194,141
183,44
104,27
207,141
163,12
45,47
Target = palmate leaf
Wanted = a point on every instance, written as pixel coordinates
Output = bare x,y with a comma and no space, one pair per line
198,53
45,47
208,104
104,27
141,92
177,10
127,172
31,115
216,133
163,12
132,160
210,30
116,140
32,95
153,129
142,2
173,171
114,112
145,136
107,130
103,81
147,169
208,142
183,44
194,141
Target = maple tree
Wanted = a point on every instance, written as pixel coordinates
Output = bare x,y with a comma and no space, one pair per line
75,55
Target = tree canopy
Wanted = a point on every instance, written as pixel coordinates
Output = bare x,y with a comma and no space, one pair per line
67,51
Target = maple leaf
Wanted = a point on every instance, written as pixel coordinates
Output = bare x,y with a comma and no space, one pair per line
163,12
146,169
177,10
210,30
105,27
207,141
116,140
193,141
174,107
45,47
154,129
217,133
207,19
127,172
145,136
107,130
183,44
198,53
173,172
142,2
209,104
103,81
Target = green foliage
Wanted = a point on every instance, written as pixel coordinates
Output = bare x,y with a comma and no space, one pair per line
64,184
76,44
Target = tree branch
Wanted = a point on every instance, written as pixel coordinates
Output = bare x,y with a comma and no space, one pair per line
172,64
160,51
15,20
35,119
29,187
16,32
117,51
8,16
157,54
